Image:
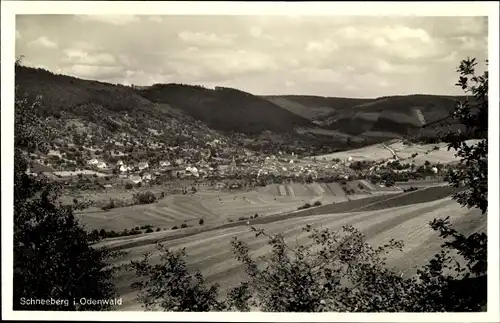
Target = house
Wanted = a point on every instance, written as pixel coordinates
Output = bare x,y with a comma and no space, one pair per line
102,165
143,165
165,163
54,153
125,168
119,163
146,177
192,170
93,162
222,168
135,179
220,185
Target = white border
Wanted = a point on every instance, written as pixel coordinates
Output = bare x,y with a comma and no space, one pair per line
10,8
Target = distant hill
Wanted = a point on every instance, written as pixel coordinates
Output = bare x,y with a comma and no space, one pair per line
174,114
314,107
398,115
104,111
227,109
376,119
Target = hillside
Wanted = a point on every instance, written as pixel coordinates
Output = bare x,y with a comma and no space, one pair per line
374,119
397,114
314,107
226,109
91,116
83,111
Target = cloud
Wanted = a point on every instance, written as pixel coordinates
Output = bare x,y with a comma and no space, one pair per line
92,72
44,41
256,32
157,19
79,57
204,38
324,46
329,56
118,20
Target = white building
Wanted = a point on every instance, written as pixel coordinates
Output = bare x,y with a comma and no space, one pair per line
93,162
165,163
192,170
135,179
143,165
102,165
119,163
125,168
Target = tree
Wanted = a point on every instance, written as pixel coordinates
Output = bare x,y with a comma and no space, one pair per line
473,113
53,254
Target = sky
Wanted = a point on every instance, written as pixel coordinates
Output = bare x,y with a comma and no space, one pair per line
343,56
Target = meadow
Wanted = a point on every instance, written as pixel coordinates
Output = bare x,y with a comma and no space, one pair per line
401,217
378,152
217,207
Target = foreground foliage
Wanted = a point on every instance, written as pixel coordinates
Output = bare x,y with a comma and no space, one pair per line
53,253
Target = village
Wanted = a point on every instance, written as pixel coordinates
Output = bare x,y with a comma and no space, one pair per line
217,164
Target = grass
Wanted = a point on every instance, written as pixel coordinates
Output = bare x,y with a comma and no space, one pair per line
216,207
414,153
210,251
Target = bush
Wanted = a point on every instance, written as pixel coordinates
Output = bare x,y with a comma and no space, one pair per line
175,227
129,186
109,206
149,230
145,198
158,229
241,218
312,277
255,215
317,203
184,225
201,222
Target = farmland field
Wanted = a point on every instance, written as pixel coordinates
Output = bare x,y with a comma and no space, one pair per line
390,217
379,152
218,207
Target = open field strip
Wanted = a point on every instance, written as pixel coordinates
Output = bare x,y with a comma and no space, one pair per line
362,204
373,152
316,188
367,185
282,190
378,152
336,189
219,265
429,243
301,190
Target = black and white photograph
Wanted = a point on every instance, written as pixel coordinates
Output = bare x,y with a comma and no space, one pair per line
319,161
